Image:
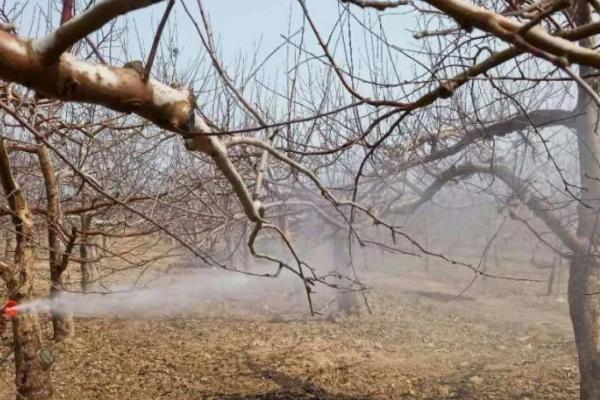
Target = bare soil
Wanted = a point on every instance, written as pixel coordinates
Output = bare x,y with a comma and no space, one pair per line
419,342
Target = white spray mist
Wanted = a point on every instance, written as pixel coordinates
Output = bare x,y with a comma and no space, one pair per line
170,294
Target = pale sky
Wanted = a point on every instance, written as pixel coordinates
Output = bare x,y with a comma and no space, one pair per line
239,25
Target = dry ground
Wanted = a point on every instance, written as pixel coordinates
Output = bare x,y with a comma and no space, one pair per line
492,344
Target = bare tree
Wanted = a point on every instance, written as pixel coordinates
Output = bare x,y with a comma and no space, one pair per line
350,150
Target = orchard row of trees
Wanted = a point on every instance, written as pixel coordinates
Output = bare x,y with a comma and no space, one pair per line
102,155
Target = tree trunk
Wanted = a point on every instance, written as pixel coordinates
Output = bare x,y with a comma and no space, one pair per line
62,326
584,276
584,306
496,255
347,301
246,251
61,323
105,245
31,374
427,243
8,244
551,280
87,274
32,378
559,274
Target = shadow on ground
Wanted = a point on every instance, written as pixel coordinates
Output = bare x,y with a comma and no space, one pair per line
442,297
290,388
282,395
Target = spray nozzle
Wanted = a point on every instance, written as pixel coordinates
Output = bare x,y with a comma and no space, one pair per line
10,309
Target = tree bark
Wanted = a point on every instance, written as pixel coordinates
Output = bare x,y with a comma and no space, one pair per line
584,306
246,256
8,244
31,376
584,279
427,241
347,301
559,274
105,245
551,280
87,273
62,324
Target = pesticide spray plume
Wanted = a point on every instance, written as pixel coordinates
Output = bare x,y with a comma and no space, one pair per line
166,296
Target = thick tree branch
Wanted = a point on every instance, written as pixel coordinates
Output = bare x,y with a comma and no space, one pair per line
440,181
537,205
121,89
540,119
51,47
64,261
534,40
380,5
